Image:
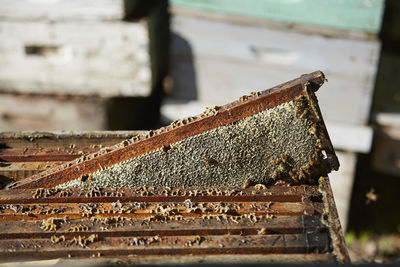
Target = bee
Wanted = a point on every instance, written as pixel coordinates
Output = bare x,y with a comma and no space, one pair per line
246,183
209,161
65,193
312,129
134,139
305,113
260,187
283,158
144,193
275,161
151,133
116,204
194,240
154,239
252,217
293,174
56,239
243,98
78,228
176,192
124,143
166,148
38,193
49,225
262,231
41,192
234,219
371,196
93,192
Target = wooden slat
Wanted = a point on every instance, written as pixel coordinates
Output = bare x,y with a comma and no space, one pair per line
336,232
23,154
128,226
44,154
94,139
255,226
83,50
356,15
162,194
64,10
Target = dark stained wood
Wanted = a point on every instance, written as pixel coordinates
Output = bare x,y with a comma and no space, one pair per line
23,154
119,228
335,228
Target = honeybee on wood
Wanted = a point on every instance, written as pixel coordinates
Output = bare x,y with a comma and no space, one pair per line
246,183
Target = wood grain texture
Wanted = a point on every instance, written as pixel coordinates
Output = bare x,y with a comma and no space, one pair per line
51,113
335,228
109,227
72,58
23,154
356,15
61,10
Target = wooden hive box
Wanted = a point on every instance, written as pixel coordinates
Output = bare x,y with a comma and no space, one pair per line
283,219
78,65
281,223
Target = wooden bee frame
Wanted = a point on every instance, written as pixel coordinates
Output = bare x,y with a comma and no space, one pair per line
300,90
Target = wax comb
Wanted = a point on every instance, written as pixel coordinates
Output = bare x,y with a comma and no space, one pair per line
268,136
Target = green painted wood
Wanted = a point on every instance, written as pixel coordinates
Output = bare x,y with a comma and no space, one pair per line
354,15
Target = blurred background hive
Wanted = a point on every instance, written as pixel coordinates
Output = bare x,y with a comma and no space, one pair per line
81,65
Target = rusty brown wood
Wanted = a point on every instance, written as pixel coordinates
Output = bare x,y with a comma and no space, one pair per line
273,258
44,154
72,211
234,244
279,224
303,86
23,154
162,194
64,139
256,226
20,170
335,228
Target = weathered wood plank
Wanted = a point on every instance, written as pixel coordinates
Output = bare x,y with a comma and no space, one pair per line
234,244
206,233
41,58
335,228
161,194
36,139
356,15
24,154
46,113
20,170
125,226
62,10
103,210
